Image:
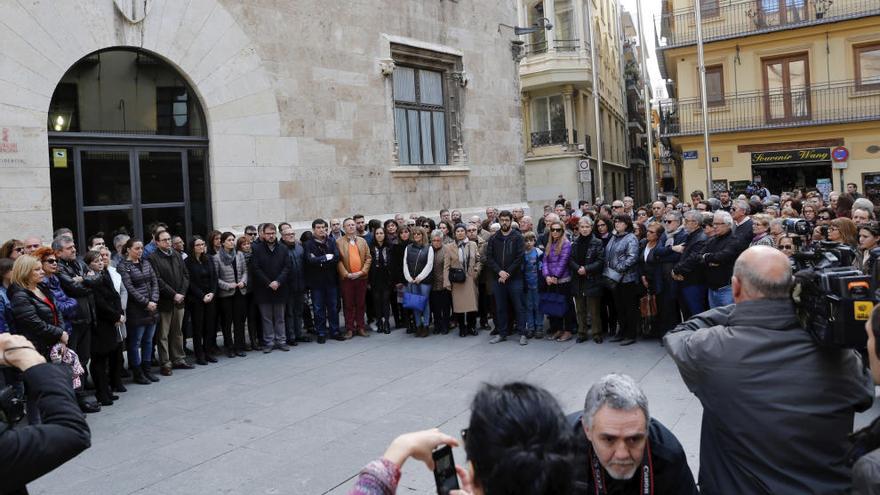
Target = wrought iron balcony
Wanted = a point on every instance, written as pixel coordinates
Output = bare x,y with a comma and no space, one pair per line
824,103
638,156
561,46
724,19
567,45
555,136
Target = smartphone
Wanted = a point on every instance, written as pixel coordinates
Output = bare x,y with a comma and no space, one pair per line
444,470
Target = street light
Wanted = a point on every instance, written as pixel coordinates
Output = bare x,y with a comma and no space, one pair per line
539,25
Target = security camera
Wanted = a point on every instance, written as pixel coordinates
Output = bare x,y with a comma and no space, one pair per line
548,26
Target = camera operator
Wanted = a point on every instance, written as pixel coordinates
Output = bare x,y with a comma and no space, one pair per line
866,471
28,452
777,408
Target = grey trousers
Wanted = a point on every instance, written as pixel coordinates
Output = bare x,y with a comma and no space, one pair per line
273,324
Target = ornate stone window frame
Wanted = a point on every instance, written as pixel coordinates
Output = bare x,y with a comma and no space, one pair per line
448,61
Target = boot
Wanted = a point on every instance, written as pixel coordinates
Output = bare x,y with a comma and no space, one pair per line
148,375
423,331
138,376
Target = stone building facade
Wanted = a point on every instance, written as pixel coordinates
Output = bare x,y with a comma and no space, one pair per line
281,111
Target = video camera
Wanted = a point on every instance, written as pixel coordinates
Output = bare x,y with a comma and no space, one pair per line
796,226
833,299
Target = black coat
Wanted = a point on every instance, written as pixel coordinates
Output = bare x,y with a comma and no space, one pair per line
35,319
297,275
744,234
587,252
651,269
689,264
269,266
718,257
672,475
321,272
108,309
505,253
397,252
81,291
380,269
28,452
202,278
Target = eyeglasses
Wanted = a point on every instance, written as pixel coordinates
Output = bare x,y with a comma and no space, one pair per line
668,221
165,239
19,249
786,248
556,230
51,261
718,223
252,234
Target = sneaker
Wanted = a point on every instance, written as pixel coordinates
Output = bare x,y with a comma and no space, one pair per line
284,347
322,339
496,339
267,349
523,340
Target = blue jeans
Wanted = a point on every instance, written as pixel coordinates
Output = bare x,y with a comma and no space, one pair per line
324,301
694,299
140,345
534,318
720,297
422,317
510,292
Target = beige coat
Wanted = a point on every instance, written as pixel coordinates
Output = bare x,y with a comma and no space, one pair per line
464,295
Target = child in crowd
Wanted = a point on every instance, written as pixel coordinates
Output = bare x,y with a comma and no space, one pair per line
532,271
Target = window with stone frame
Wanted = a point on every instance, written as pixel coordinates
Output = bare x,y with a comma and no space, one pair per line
425,87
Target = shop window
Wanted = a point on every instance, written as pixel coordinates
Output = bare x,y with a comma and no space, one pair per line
867,65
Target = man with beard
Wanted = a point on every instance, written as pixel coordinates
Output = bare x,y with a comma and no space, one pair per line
504,257
621,450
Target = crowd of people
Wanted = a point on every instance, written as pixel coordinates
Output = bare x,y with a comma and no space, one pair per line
609,269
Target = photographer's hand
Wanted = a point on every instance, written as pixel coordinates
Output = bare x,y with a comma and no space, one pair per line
18,352
418,445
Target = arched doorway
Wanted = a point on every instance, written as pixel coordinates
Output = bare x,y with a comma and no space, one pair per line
128,147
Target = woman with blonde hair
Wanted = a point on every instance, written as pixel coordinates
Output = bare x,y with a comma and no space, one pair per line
33,307
761,230
557,277
418,265
844,230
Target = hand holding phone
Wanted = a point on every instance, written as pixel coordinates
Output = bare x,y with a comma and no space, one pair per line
444,470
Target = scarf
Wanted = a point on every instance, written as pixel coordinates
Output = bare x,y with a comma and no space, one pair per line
646,485
60,353
670,236
225,257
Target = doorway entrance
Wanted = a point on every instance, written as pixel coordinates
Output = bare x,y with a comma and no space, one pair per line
785,177
127,149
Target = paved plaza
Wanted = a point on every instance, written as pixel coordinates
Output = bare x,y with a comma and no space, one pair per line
306,421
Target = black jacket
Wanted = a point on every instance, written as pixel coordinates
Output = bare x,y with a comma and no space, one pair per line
172,276
320,272
296,278
380,269
397,252
142,285
689,264
35,319
672,475
81,291
108,309
28,452
269,266
587,252
744,234
202,278
718,257
505,253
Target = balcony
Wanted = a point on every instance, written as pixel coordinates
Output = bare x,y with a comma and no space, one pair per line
551,137
638,156
555,62
725,19
826,103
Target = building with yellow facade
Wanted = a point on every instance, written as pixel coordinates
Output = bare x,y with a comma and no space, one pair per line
788,83
559,132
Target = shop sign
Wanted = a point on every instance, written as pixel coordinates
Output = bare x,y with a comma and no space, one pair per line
791,156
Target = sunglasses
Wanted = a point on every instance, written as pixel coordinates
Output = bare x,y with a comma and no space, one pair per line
19,250
786,248
252,234
668,221
556,230
51,261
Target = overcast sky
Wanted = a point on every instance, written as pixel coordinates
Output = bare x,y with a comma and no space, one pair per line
650,11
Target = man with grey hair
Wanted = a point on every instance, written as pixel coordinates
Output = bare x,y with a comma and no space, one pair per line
777,407
718,257
742,223
619,448
119,241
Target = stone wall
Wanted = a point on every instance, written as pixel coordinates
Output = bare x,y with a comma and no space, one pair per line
299,114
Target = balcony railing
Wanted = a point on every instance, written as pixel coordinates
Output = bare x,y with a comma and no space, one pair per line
555,136
638,156
723,19
567,45
825,103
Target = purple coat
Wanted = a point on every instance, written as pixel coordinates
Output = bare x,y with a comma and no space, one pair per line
556,265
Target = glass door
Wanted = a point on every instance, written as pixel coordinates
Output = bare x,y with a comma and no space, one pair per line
105,191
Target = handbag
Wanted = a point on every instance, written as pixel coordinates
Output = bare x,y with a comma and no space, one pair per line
457,275
415,302
648,305
553,304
